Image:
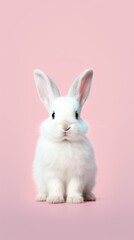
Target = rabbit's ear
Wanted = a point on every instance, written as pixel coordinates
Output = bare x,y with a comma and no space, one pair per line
46,88
80,88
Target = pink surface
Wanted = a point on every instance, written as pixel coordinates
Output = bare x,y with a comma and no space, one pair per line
63,38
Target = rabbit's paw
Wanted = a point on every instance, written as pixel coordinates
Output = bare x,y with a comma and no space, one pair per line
75,199
41,197
90,197
55,199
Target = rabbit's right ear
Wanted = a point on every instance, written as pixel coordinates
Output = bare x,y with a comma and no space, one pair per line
80,88
46,88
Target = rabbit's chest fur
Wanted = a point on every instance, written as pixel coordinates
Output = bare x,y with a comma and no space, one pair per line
63,160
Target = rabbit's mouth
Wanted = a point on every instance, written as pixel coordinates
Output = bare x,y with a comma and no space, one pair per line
65,135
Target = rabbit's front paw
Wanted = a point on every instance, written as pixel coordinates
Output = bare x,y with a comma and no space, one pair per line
55,199
75,199
41,197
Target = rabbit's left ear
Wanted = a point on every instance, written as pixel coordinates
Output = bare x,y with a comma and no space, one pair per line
80,88
46,88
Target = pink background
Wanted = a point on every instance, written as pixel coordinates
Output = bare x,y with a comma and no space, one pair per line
64,38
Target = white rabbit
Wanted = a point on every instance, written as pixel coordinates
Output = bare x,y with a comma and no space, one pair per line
64,168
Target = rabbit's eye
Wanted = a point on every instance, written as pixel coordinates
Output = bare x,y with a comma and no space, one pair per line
76,115
53,115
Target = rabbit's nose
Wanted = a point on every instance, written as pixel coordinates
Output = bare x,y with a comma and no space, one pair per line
66,126
66,129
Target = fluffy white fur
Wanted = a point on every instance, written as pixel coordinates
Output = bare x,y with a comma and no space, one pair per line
64,168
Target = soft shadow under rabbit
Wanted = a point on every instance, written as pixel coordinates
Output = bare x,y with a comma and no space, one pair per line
64,167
